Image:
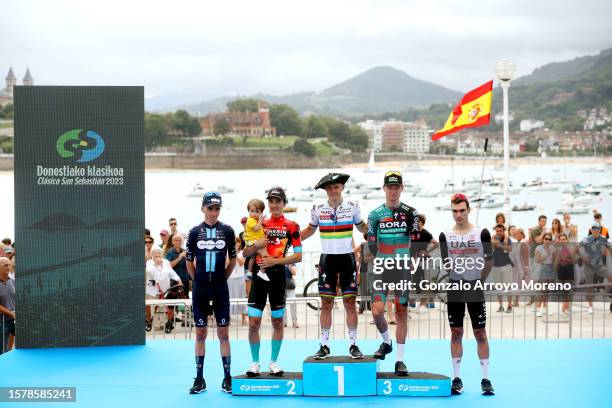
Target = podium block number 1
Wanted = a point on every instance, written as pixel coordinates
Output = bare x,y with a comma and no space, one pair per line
340,371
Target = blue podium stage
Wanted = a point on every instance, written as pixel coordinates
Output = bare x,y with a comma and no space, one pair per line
549,373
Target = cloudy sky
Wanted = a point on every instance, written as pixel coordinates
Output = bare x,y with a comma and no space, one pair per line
204,49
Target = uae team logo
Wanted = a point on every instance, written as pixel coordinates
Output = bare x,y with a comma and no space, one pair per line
83,146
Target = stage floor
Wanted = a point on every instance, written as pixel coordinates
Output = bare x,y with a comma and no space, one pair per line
545,373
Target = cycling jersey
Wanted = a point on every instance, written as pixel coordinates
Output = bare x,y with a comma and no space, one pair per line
208,245
336,225
281,233
390,230
466,252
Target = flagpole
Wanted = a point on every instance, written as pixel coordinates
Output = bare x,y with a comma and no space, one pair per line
505,85
504,69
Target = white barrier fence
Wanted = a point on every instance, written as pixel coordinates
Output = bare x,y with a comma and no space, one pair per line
424,323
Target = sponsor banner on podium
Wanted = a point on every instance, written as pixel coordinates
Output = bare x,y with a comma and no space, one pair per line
415,385
288,384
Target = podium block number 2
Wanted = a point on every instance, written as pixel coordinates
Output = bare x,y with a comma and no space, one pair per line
291,385
340,371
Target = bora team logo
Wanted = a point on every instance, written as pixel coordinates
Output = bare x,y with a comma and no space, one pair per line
83,146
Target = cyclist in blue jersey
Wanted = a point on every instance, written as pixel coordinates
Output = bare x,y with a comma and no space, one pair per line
208,246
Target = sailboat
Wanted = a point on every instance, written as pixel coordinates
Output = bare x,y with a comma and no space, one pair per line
371,168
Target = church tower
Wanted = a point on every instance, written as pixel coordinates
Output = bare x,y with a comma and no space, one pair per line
27,79
11,81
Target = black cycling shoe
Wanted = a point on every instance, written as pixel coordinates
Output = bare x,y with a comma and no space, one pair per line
487,388
148,325
457,386
400,369
169,326
226,385
322,353
382,351
355,352
199,385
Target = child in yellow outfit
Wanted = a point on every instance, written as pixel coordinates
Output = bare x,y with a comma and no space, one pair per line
253,231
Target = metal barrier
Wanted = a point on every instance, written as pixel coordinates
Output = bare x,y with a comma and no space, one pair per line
520,323
6,341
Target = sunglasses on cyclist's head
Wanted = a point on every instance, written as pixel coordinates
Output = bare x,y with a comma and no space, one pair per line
393,173
458,196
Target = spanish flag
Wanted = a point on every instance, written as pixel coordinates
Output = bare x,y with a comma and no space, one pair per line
474,110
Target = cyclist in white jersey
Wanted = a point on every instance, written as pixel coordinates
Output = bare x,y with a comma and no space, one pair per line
337,267
466,251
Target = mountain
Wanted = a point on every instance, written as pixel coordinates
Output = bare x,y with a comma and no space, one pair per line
556,92
559,71
380,89
553,93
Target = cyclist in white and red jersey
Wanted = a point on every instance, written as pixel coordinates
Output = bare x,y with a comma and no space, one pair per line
466,249
337,267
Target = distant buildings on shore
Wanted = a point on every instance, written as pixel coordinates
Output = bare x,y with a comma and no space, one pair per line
394,135
251,124
409,137
595,118
6,94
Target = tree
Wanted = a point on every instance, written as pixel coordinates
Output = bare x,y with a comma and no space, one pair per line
6,112
359,139
221,127
286,120
339,133
186,124
156,131
302,146
243,105
314,127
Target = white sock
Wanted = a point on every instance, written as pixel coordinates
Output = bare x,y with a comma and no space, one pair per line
386,337
325,337
485,368
400,351
352,336
457,367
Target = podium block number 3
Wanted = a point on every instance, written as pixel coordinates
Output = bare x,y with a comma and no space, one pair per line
340,371
387,389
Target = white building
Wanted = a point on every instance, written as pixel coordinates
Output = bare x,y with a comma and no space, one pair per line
417,139
374,129
527,125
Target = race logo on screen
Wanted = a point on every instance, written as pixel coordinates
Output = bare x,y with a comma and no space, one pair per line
83,146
